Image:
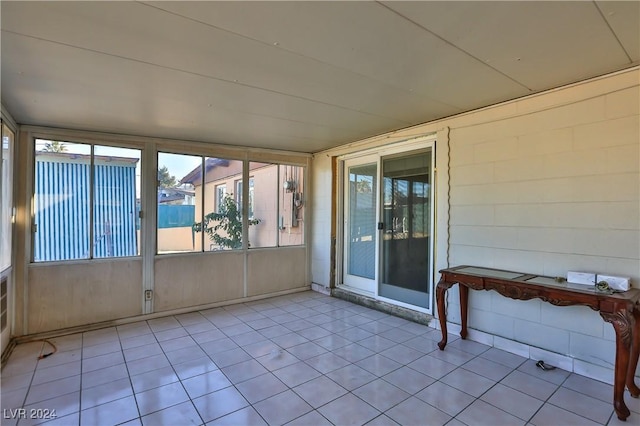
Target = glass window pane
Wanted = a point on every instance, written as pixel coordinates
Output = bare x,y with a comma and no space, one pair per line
291,205
222,220
179,203
263,204
61,198
116,195
6,203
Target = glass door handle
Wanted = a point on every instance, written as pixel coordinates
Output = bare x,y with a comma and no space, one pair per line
380,226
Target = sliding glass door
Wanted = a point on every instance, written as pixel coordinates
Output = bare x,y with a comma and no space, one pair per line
388,222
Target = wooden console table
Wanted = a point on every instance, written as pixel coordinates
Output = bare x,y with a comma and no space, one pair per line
622,310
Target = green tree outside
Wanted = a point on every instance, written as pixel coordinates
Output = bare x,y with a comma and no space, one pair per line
227,220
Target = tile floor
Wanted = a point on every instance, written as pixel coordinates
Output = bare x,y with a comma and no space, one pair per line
301,359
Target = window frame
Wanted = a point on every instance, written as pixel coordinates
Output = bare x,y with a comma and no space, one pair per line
92,143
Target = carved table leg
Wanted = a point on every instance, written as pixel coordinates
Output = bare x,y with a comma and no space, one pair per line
464,302
441,291
635,352
621,322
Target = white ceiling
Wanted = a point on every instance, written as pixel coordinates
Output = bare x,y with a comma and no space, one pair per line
300,76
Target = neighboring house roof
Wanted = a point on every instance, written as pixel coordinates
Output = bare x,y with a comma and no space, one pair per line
194,177
167,195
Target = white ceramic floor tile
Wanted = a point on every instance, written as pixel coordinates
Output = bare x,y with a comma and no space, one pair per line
408,379
111,413
446,398
432,367
149,363
194,367
282,408
172,333
296,374
587,386
319,391
468,382
287,355
351,376
180,414
242,371
381,394
277,359
245,416
58,406
530,385
205,383
413,411
45,391
157,399
550,415
178,343
61,357
101,349
261,387
512,401
379,365
164,323
153,379
348,409
480,413
581,404
311,418
102,361
107,392
220,403
105,375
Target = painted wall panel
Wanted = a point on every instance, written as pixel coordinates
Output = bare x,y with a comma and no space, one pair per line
275,270
70,294
197,279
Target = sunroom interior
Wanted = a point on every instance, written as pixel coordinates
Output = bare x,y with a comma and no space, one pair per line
232,168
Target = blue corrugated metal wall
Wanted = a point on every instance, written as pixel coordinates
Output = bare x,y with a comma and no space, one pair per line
62,200
114,213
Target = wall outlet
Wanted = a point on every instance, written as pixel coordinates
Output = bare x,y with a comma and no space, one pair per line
587,278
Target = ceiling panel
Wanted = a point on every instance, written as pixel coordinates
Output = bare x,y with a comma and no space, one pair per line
538,44
301,76
144,99
624,19
363,37
204,50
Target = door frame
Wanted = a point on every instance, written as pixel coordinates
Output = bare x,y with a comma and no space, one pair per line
405,147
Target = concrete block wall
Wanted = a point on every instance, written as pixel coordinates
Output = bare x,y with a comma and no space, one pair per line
551,189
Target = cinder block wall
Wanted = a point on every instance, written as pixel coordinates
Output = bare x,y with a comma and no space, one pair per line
555,187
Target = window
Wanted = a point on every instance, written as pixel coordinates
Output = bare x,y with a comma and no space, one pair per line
251,198
6,202
221,192
86,199
179,202
211,220
239,196
276,202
